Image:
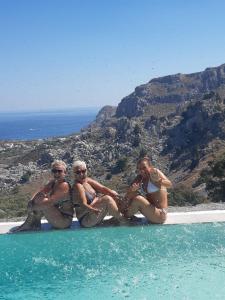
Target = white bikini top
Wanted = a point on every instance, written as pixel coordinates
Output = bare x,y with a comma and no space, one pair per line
151,188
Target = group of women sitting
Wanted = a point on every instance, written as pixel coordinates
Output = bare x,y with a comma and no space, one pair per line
92,201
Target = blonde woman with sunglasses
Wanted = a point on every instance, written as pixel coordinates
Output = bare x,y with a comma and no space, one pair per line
53,202
91,208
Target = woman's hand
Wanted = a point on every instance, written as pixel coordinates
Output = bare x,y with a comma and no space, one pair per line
134,187
132,190
41,203
93,209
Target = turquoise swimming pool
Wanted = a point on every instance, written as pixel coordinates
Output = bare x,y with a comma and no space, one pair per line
142,262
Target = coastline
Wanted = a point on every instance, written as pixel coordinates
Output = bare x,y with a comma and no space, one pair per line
31,126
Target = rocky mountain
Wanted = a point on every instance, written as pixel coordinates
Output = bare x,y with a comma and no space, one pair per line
176,120
172,89
105,113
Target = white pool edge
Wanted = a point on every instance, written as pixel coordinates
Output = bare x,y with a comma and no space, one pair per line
172,218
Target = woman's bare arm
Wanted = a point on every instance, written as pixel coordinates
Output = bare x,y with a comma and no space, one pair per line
62,191
101,188
163,180
133,188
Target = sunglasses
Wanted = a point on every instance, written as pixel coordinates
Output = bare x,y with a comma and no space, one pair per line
81,172
56,171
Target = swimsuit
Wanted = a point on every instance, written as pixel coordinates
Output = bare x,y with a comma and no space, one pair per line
90,196
152,188
60,203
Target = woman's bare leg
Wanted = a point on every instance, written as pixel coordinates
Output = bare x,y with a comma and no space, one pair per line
160,198
111,205
105,204
52,214
93,218
152,213
33,220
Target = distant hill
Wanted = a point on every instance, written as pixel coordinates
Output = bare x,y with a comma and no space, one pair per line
177,120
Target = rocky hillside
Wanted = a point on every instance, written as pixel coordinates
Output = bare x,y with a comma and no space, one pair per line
177,120
173,89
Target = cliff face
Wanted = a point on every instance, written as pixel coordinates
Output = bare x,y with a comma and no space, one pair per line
105,112
172,89
180,139
196,135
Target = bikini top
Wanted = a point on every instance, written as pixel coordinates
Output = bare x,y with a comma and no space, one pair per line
90,196
151,188
61,201
81,210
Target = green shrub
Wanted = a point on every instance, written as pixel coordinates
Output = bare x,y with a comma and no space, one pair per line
218,169
209,95
120,166
214,178
182,196
14,204
136,141
26,177
108,176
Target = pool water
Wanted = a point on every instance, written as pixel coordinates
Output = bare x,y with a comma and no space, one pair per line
139,262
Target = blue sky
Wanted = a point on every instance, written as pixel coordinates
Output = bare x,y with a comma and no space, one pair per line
63,53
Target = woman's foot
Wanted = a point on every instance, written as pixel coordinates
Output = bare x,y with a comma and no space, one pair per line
31,224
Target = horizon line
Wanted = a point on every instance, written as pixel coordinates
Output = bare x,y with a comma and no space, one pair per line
44,110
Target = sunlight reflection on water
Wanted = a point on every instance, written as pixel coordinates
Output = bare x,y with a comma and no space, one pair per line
144,262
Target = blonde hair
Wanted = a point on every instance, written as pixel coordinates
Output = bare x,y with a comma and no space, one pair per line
79,163
59,163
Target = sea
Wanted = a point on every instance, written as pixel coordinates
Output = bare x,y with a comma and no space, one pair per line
35,125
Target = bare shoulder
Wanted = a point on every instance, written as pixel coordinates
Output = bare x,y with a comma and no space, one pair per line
155,170
94,183
64,186
90,180
155,175
159,171
77,186
165,180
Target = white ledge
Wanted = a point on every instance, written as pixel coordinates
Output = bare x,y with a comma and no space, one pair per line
172,218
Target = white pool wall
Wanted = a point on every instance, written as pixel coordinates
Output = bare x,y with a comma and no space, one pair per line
172,218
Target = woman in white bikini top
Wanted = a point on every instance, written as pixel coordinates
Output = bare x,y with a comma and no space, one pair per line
154,177
152,185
